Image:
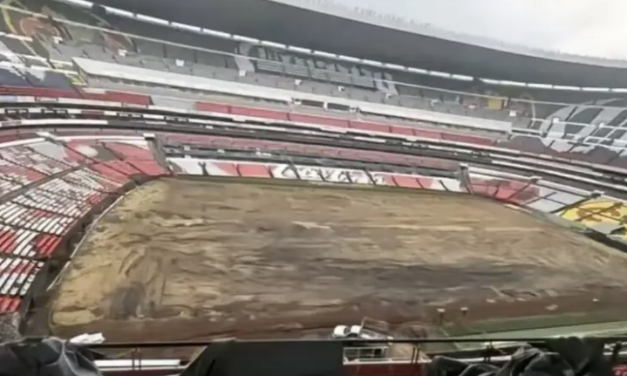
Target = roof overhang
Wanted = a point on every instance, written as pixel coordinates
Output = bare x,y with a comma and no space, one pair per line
277,22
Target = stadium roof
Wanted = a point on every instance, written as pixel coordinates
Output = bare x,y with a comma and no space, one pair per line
278,22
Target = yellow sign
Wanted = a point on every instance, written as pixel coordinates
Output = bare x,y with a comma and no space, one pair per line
75,79
593,213
495,103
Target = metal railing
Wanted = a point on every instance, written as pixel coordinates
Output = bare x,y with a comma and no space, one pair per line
357,352
487,340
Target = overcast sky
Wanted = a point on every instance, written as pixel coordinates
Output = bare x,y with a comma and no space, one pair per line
584,27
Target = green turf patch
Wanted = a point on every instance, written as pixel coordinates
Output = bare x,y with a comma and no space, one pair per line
532,322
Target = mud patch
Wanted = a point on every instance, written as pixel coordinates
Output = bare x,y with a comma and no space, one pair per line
211,258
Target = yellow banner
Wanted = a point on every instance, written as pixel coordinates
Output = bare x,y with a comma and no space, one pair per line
594,213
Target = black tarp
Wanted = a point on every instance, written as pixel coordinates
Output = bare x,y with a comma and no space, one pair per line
50,357
555,357
269,358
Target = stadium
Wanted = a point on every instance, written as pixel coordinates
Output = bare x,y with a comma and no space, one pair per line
355,209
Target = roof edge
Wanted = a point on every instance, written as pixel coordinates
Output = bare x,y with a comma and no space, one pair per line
332,8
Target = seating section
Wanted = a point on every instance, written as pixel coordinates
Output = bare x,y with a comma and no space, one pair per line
266,65
398,128
51,84
53,183
119,158
263,58
537,196
137,155
593,149
29,77
297,65
48,187
27,244
381,92
604,155
188,142
557,201
543,197
607,153
27,158
48,83
13,175
16,276
191,166
12,77
612,134
259,65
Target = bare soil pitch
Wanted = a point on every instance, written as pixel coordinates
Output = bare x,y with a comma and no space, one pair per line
183,259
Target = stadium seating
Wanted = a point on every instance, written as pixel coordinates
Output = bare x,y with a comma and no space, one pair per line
56,182
54,84
306,74
581,115
268,60
312,150
271,59
10,76
596,118
557,202
268,65
563,147
47,187
52,185
544,197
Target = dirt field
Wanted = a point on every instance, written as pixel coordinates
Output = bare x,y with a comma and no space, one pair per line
182,259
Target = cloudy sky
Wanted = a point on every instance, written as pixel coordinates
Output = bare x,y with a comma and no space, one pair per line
584,27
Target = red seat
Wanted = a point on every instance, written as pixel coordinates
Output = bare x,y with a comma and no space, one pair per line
253,170
406,181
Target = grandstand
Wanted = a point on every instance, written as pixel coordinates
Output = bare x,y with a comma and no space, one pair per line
336,27
95,119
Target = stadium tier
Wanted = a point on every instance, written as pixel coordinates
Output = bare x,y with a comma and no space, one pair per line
48,188
65,176
521,106
161,44
118,131
55,184
355,30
